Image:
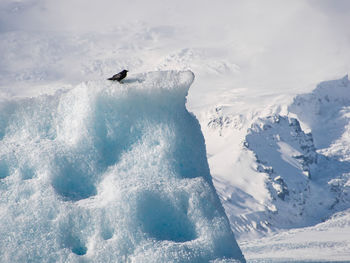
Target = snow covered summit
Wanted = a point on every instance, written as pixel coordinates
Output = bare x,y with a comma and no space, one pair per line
288,162
109,172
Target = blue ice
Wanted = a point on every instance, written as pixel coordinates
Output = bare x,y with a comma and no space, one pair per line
109,172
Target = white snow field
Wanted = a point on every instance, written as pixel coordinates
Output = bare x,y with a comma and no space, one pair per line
277,141
325,242
109,172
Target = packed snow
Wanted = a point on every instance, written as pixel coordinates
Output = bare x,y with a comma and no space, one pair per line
107,172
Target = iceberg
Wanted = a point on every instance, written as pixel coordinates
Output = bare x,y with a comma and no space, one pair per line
109,172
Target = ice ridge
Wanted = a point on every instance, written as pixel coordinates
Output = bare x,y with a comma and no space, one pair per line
109,172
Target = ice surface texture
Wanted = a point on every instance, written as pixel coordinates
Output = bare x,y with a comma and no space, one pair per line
109,172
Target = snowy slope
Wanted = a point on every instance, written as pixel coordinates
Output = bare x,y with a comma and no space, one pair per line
325,112
282,173
285,167
324,242
108,172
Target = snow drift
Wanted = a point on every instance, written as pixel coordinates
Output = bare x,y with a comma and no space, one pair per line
106,172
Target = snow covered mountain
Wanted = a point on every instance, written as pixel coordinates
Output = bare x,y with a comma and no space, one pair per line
109,172
298,164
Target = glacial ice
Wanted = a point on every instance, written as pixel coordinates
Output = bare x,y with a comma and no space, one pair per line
109,172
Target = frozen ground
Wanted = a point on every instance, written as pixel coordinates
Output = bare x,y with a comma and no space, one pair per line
277,145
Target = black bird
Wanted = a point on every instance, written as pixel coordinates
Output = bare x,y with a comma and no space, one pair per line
118,77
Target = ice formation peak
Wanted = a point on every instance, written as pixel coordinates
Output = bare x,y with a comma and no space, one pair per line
346,78
109,172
